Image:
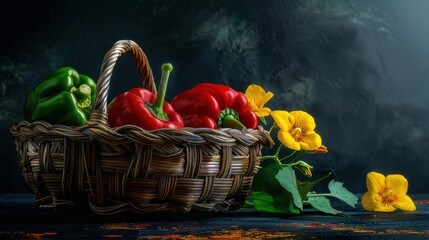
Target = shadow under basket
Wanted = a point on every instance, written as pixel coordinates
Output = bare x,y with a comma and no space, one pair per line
113,170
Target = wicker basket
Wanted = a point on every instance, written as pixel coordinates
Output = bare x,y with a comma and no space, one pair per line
130,169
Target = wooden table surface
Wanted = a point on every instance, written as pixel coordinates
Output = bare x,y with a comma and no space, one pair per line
20,219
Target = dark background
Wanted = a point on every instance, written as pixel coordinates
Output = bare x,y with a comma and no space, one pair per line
359,67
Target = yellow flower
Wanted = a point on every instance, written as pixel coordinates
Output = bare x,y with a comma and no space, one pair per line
297,130
257,97
386,194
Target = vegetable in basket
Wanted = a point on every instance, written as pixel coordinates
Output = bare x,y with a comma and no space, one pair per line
64,97
143,108
210,105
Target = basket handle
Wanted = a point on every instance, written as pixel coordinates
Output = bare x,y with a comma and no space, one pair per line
109,61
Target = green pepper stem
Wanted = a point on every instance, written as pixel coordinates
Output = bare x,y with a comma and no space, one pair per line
231,122
162,89
228,118
82,94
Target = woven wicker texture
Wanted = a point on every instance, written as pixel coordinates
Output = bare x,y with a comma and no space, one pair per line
131,169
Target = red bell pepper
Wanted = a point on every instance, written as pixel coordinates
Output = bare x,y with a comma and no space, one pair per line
144,108
209,105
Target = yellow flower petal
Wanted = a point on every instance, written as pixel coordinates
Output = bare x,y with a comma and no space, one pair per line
405,203
374,202
311,141
254,91
263,112
370,201
288,140
398,184
283,119
384,208
375,182
304,121
267,96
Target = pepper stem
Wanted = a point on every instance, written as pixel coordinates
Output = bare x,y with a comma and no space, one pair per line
229,118
162,90
83,95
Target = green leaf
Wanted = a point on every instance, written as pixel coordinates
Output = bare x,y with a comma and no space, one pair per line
266,191
322,204
305,187
264,178
277,204
287,179
339,191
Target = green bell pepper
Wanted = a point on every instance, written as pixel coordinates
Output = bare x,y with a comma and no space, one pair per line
64,97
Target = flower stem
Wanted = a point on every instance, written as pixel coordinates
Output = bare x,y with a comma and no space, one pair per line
289,164
320,195
296,158
263,120
278,150
267,157
288,156
275,157
272,128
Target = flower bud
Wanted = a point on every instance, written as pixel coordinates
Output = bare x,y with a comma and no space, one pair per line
304,168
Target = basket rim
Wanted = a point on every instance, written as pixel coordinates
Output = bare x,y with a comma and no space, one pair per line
127,133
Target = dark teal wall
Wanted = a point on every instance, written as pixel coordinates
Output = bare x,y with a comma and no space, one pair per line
359,67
